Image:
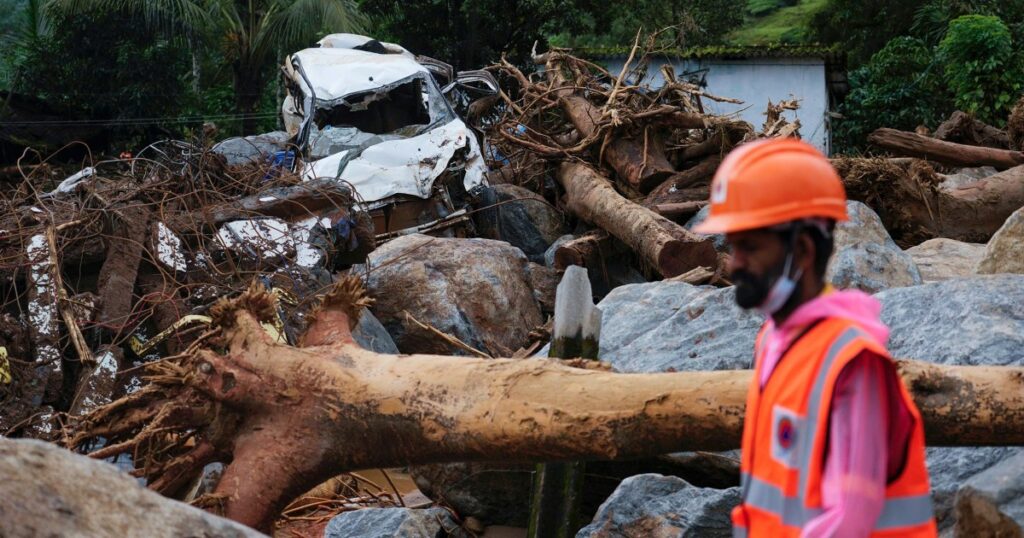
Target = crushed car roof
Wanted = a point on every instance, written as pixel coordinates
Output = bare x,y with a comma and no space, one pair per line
337,72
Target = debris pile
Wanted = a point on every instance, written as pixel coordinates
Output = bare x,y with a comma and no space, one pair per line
119,266
199,304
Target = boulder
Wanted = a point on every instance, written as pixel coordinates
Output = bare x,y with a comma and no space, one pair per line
942,258
663,506
49,491
254,149
1005,250
865,257
992,502
673,326
371,334
388,522
477,290
526,220
545,281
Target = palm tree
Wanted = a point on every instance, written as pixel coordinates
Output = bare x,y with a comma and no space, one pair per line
250,33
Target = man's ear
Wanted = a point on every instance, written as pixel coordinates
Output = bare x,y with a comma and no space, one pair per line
804,253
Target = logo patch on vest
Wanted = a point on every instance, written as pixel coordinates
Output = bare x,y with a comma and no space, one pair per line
786,428
786,433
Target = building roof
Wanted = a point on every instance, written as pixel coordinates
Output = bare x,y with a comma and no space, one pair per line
830,54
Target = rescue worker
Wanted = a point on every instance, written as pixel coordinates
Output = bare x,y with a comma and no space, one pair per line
833,444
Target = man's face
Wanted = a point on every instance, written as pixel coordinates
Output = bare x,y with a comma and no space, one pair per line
758,259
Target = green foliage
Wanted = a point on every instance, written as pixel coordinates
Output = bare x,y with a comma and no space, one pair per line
900,87
105,68
788,23
982,69
677,23
863,27
470,34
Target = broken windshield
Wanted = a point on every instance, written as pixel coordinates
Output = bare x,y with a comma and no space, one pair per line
404,109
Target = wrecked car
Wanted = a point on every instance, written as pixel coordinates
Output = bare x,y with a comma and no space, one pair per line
373,115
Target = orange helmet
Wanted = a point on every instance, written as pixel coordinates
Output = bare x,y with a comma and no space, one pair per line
771,182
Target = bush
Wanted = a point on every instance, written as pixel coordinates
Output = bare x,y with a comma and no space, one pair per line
981,67
901,87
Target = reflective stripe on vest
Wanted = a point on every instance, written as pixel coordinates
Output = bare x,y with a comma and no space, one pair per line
898,512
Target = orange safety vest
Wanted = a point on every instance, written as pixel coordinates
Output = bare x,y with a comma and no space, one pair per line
785,436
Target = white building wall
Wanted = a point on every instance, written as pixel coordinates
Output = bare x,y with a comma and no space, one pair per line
755,82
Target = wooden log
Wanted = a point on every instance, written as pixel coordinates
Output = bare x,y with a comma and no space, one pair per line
125,246
697,175
583,251
641,170
924,147
668,247
964,129
679,210
287,418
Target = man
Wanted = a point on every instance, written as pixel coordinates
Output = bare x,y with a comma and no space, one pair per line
833,445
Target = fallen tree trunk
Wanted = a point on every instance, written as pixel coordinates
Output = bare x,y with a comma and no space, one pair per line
288,418
964,129
924,147
642,165
584,251
914,209
668,247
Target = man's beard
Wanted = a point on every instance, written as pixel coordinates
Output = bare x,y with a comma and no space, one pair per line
752,290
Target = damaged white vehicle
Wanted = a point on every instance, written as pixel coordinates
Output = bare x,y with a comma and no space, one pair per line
372,115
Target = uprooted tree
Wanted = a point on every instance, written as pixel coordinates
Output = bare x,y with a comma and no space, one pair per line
287,418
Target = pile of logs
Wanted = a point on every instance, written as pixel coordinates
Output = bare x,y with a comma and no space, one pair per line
631,162
909,195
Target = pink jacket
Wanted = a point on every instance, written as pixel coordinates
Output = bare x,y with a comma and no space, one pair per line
870,425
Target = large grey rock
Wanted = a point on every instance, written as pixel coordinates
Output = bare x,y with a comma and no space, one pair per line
371,334
992,503
971,320
675,326
865,256
526,220
391,522
1005,250
252,149
477,290
49,491
941,258
663,506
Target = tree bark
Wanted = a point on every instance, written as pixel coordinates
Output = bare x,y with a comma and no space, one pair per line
641,165
913,209
964,129
287,418
924,147
668,247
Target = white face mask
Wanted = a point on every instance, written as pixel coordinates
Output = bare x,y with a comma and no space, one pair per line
781,290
